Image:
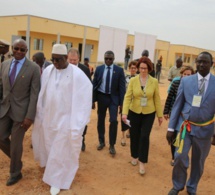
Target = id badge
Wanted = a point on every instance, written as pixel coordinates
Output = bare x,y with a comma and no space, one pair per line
196,100
143,101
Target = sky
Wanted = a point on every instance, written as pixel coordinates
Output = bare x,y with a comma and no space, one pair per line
184,22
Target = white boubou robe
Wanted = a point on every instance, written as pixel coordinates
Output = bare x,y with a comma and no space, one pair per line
63,110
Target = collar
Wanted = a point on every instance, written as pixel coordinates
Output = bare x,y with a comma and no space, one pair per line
207,77
20,61
111,66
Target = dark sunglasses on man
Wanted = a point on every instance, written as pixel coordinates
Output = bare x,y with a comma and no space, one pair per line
110,59
19,49
56,59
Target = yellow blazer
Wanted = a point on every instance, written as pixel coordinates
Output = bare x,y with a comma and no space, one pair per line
134,93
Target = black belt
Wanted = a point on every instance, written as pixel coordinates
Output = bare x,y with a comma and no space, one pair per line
99,92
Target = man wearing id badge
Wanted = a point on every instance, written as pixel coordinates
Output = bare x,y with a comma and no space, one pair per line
193,112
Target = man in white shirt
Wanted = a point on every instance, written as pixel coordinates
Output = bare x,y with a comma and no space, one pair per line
63,110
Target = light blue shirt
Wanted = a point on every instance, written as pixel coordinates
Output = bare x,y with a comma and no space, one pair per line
19,66
102,86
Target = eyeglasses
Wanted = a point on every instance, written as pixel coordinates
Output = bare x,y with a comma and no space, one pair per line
144,68
56,59
109,59
19,49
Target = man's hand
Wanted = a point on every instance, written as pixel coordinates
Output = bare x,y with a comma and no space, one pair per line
26,123
170,137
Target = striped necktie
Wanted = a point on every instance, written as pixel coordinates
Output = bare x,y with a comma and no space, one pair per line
202,86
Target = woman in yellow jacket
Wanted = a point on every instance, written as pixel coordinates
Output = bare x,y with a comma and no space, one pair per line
141,103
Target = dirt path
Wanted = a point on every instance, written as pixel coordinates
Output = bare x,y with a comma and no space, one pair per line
101,174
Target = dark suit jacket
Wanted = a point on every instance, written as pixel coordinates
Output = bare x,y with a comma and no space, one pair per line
21,98
85,69
117,83
47,64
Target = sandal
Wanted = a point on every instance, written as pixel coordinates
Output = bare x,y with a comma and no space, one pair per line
134,162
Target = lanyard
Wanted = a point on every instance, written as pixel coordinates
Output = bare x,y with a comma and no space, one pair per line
144,89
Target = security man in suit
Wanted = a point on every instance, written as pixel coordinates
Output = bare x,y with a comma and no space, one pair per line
40,59
19,89
109,91
73,58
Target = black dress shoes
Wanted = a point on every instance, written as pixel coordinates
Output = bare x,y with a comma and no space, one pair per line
112,150
100,146
13,180
191,193
174,191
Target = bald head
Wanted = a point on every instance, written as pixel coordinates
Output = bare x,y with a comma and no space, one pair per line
19,48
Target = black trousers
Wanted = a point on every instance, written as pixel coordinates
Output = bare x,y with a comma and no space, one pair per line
104,103
11,138
141,125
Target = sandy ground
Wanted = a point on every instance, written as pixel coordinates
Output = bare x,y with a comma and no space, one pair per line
99,173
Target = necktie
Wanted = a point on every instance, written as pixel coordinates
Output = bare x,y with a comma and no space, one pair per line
202,86
13,73
107,85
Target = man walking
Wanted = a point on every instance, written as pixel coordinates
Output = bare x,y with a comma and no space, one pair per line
74,58
20,85
109,91
61,119
193,111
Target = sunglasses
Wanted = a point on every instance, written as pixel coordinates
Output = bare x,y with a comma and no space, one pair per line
19,49
56,59
109,59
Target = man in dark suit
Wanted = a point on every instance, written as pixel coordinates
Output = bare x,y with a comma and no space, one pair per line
193,109
73,58
40,59
109,91
20,85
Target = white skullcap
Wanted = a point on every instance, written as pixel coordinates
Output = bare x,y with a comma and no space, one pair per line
3,42
59,49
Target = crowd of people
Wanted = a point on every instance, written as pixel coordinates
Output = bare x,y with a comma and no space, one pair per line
57,98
